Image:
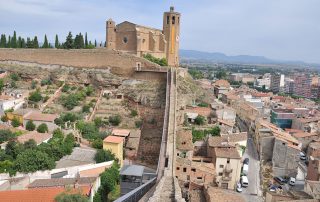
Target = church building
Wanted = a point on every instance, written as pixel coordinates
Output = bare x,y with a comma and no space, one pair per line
140,40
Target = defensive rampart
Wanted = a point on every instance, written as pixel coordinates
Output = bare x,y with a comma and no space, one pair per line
119,63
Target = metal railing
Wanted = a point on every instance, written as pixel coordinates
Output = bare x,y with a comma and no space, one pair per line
138,193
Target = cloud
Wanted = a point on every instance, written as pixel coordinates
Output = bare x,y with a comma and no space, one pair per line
279,29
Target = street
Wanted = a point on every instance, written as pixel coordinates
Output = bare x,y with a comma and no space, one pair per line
253,191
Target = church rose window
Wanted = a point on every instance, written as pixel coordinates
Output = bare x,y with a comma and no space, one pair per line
125,39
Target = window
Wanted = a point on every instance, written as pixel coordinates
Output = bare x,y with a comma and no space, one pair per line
184,170
178,20
228,160
193,169
199,178
221,166
125,39
173,20
168,19
178,168
220,174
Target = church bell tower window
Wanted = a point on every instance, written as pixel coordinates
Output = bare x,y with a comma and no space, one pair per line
173,20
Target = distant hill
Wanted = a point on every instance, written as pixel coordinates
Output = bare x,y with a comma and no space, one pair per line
222,58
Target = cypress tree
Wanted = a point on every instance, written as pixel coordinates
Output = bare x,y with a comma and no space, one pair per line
14,40
19,42
45,43
23,43
29,43
56,42
86,41
82,45
95,43
35,42
3,41
9,42
69,42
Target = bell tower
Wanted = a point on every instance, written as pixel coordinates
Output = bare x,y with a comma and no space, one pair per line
171,30
111,34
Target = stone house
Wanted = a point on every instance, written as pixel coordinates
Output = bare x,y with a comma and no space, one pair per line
40,118
312,188
278,147
196,172
313,170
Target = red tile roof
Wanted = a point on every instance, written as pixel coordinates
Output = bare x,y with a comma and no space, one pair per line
113,139
38,137
120,132
37,116
38,195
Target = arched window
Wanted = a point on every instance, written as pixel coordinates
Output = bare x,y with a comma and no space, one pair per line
173,19
125,39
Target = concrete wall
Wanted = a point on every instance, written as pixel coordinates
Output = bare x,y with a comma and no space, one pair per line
118,63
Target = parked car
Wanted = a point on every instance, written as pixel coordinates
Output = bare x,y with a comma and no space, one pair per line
273,188
246,161
280,180
292,181
245,169
239,187
303,156
244,181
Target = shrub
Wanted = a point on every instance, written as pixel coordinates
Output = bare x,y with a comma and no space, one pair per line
42,128
200,120
30,126
34,84
161,62
86,109
35,96
138,123
134,113
104,155
15,122
97,144
14,77
65,88
45,82
4,118
115,120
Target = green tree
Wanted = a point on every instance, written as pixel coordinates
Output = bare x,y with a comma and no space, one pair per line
95,43
15,122
19,42
30,144
56,42
71,197
14,40
29,43
109,179
30,126
6,135
23,43
78,41
86,41
45,43
35,42
1,85
98,122
69,43
104,155
42,128
97,143
3,41
200,120
33,160
115,120
9,42
13,149
35,96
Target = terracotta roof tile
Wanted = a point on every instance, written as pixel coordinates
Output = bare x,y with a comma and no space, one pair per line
38,195
113,139
37,116
120,132
223,195
227,152
38,137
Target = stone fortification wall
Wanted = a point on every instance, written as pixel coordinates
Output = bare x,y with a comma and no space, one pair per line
119,63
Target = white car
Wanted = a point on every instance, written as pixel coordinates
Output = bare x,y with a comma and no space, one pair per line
292,181
239,187
244,181
245,169
303,156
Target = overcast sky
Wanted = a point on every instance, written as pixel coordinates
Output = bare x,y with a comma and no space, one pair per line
278,29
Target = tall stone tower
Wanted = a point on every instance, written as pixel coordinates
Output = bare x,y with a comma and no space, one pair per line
171,30
111,34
